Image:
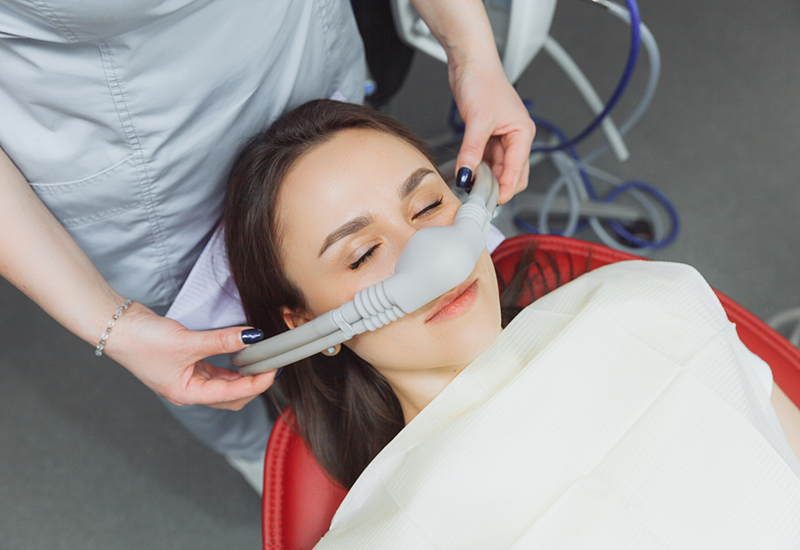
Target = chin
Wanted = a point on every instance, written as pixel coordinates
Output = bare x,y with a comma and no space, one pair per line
466,340
470,345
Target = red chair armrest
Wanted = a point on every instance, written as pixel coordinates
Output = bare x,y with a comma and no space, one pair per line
299,498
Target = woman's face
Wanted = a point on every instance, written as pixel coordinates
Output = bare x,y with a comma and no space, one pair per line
345,212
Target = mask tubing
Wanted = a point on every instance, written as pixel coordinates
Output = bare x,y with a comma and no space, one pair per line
320,327
294,355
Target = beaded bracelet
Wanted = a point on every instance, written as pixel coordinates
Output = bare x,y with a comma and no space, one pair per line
98,351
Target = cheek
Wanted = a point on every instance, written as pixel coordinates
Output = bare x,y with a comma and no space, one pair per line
326,292
391,346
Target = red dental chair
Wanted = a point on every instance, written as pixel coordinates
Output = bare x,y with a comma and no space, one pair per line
300,500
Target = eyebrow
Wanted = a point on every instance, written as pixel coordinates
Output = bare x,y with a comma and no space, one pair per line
413,181
357,224
353,226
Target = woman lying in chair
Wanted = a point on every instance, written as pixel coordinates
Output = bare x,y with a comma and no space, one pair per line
619,411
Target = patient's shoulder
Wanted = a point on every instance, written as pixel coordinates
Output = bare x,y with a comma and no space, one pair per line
637,272
674,287
641,286
637,277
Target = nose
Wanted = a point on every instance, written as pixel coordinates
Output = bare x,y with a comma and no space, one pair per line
435,260
403,232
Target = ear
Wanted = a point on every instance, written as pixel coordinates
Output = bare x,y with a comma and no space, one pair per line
294,319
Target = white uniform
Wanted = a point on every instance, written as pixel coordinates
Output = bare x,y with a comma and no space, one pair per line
125,117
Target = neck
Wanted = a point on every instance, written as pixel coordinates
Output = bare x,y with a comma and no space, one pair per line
415,389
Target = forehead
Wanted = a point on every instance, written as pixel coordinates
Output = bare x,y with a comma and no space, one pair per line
345,175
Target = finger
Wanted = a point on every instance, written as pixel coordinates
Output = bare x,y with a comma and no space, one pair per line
497,152
476,135
517,151
233,405
215,342
524,178
207,371
222,392
494,156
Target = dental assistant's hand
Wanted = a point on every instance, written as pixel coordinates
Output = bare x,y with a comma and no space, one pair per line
498,127
168,358
160,352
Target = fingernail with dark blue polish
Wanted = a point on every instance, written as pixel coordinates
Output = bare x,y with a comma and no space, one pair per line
252,335
278,373
464,177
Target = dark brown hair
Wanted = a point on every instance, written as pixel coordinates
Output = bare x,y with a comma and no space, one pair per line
345,410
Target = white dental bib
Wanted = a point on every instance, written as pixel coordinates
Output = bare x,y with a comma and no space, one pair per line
619,411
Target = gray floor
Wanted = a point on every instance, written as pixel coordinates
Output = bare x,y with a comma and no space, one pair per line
91,460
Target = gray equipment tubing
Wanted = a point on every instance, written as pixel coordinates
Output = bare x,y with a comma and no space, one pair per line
434,261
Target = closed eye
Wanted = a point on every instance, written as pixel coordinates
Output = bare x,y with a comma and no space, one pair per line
429,208
355,265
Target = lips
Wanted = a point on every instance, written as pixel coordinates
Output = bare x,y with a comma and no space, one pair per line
462,295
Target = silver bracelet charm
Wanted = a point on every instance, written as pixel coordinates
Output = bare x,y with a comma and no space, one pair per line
98,351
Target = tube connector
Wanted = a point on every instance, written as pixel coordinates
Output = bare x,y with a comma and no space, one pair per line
344,326
375,308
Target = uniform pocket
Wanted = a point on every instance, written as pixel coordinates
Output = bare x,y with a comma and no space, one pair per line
106,194
107,217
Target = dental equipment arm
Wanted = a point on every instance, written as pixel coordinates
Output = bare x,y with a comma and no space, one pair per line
434,261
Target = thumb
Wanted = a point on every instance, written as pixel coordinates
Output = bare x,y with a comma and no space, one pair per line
476,136
224,340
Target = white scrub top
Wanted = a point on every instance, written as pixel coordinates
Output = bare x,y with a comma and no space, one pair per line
125,115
